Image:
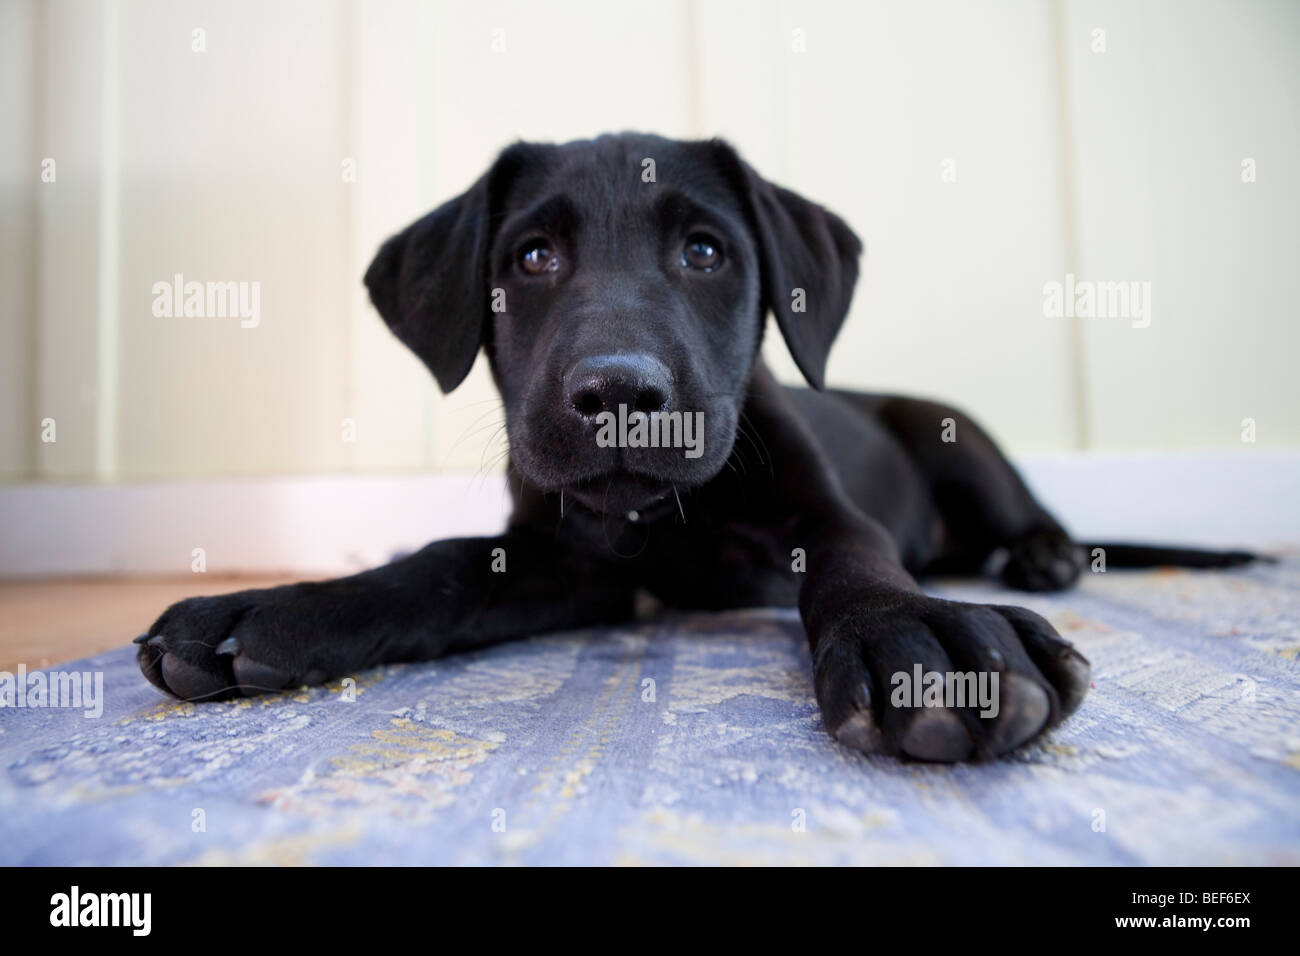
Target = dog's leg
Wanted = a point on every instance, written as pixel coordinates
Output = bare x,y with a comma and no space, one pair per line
873,633
452,595
982,500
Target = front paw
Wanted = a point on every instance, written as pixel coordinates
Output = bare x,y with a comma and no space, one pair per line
230,645
1002,675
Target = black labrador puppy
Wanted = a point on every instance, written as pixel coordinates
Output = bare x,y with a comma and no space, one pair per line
619,287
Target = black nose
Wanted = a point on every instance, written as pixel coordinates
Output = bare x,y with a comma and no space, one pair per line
604,382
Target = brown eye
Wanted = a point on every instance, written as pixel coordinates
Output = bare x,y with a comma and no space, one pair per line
536,257
702,252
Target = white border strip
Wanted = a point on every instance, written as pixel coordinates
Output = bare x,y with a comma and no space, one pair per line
341,524
309,524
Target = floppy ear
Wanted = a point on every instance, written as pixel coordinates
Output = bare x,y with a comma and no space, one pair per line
802,247
430,281
429,284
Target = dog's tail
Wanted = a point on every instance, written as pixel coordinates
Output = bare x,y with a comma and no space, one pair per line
1122,555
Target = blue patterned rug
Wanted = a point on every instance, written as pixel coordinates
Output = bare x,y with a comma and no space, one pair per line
689,740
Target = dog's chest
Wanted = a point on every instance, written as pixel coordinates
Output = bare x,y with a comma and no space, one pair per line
736,564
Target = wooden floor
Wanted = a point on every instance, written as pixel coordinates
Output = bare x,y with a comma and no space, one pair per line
46,622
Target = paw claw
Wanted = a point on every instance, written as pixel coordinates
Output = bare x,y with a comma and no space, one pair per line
1077,671
230,646
1024,711
861,732
189,682
936,735
254,677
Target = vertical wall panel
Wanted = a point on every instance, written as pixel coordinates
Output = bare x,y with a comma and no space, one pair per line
1163,120
858,106
230,164
391,393
19,181
70,388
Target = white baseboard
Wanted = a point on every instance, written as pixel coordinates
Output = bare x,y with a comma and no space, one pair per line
340,524
1248,498
309,524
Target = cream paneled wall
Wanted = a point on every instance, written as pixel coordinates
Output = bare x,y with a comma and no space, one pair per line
1163,121
980,149
18,108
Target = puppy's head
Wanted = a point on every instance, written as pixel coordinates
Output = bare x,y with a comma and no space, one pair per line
616,284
